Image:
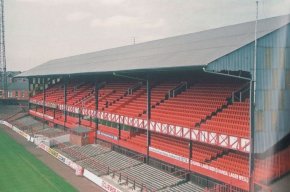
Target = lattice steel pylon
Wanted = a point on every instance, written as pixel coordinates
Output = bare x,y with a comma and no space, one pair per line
2,51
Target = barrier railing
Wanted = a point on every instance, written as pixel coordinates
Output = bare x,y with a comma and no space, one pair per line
134,88
181,87
210,137
134,181
224,188
241,93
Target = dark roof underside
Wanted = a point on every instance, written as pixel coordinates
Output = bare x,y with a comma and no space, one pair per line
195,49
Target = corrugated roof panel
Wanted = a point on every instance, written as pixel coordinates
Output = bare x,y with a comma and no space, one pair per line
195,49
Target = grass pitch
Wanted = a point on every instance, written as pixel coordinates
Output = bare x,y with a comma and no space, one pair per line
20,171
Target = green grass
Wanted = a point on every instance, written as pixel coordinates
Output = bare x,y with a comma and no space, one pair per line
20,171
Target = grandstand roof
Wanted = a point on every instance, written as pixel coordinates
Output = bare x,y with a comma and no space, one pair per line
190,50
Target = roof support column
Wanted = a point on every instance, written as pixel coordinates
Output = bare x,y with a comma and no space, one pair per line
190,153
148,108
43,95
252,124
64,102
29,94
96,105
148,118
252,137
33,86
79,118
252,107
119,131
96,127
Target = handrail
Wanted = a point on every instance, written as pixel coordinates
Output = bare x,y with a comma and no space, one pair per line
184,173
134,88
129,100
181,87
77,86
91,94
224,188
134,180
135,156
101,167
104,169
242,87
240,92
100,85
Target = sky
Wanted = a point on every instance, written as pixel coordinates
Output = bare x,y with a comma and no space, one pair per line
41,30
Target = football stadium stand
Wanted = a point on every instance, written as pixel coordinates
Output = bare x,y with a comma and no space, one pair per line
188,103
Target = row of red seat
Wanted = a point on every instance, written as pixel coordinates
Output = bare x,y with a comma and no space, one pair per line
113,131
234,163
203,153
193,105
137,107
200,152
233,120
212,155
186,109
109,94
